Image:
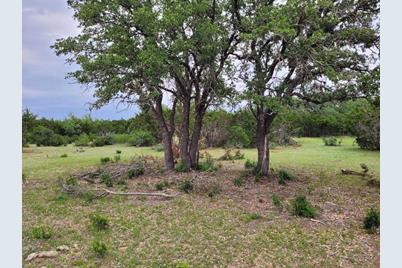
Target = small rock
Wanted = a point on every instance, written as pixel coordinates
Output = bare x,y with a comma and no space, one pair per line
63,248
122,249
31,256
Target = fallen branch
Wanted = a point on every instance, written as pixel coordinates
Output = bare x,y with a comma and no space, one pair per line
140,193
364,173
314,220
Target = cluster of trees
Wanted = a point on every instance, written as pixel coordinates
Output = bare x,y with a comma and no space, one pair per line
220,127
198,54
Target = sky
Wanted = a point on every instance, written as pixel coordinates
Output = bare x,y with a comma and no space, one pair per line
45,91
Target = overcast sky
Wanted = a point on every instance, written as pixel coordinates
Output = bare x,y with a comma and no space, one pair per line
44,89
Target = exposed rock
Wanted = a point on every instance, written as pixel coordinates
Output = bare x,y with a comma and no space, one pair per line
43,254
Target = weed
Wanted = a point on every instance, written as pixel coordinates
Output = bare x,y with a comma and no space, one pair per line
135,172
63,155
24,178
116,158
331,141
106,179
41,232
72,180
238,181
286,175
186,186
372,220
250,164
105,160
118,151
214,190
121,181
99,248
303,208
180,167
161,185
251,217
277,201
207,166
99,222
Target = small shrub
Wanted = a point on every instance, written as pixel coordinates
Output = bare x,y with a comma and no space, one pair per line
284,175
105,160
303,208
99,222
99,248
372,220
331,141
63,155
135,172
214,190
180,167
186,186
238,155
71,180
238,181
121,181
207,166
118,151
41,232
251,217
83,140
116,158
158,148
161,185
250,164
88,197
141,138
106,179
276,200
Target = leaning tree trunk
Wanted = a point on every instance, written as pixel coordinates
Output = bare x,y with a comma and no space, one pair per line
185,135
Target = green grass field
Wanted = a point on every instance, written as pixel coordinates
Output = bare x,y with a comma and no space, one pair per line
194,230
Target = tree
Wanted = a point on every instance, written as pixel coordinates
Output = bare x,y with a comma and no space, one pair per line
138,51
28,124
315,51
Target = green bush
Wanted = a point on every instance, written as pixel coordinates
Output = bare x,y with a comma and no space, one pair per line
250,164
186,186
71,180
158,147
99,222
207,166
251,217
368,131
63,155
58,140
118,151
105,160
238,137
331,141
276,200
116,158
121,138
303,208
99,248
372,220
161,185
100,141
135,172
43,136
141,138
238,181
106,179
83,140
180,167
284,175
41,232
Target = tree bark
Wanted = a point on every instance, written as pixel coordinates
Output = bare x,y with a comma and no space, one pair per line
185,135
167,132
264,121
195,138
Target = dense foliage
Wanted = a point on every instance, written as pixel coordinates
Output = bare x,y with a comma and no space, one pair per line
221,128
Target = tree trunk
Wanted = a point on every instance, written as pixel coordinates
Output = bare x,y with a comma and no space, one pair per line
185,135
167,134
264,121
195,138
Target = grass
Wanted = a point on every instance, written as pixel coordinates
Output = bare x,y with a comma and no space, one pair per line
193,230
